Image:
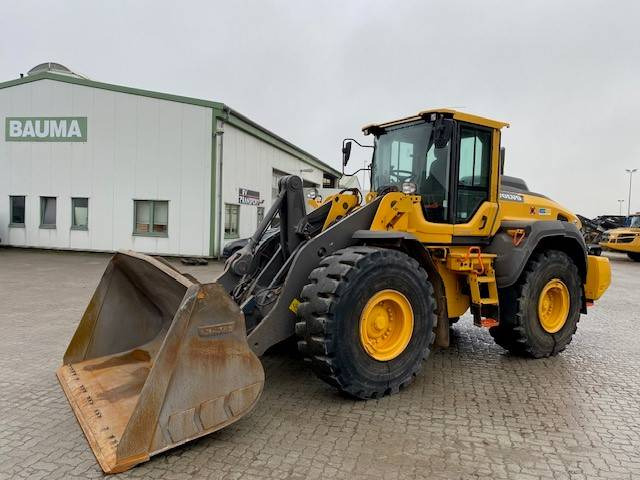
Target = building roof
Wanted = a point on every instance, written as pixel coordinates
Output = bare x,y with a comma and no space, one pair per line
456,114
53,67
230,115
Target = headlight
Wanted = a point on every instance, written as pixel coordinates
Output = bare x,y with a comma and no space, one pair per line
409,188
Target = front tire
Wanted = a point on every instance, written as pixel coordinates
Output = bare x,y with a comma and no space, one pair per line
540,313
635,256
367,320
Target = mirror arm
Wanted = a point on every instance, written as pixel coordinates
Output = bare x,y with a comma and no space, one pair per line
356,142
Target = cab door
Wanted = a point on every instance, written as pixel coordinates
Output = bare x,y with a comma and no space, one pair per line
475,180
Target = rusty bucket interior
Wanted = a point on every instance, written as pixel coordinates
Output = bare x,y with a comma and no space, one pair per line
158,359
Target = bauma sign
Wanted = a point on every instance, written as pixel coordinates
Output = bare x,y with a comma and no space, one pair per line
45,129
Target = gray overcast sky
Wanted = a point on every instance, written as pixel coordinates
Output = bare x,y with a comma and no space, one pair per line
566,75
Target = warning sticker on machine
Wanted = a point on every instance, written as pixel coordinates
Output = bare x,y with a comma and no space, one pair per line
544,211
293,306
511,197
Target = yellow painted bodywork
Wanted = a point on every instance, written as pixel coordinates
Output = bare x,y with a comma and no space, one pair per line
403,213
532,207
617,240
463,270
458,301
313,203
400,212
341,205
459,270
598,277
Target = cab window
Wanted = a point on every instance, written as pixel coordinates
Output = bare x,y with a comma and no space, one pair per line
402,156
473,172
435,185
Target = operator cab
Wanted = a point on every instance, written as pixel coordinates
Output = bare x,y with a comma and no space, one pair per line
444,156
633,221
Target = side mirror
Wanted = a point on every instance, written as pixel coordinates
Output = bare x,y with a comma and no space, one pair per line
443,128
502,153
346,153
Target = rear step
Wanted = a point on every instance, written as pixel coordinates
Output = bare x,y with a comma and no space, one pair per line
156,361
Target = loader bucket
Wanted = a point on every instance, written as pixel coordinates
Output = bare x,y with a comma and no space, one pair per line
157,360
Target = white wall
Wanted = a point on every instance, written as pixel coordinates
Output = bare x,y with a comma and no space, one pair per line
137,148
248,162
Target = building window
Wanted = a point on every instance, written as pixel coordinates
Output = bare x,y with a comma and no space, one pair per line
328,181
151,217
260,214
79,213
47,212
16,207
231,220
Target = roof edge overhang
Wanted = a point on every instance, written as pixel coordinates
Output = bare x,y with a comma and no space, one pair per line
111,87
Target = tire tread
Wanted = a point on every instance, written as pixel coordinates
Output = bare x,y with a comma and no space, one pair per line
316,324
511,333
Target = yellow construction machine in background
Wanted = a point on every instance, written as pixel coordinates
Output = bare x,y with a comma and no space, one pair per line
624,239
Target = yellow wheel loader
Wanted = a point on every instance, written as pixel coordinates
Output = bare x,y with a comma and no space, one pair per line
625,239
368,286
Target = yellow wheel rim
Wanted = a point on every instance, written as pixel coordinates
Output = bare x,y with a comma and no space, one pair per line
386,325
553,306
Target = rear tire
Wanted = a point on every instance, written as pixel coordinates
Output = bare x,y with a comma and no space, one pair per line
635,256
339,291
521,329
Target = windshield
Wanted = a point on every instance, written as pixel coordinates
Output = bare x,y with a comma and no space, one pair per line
399,155
634,221
407,154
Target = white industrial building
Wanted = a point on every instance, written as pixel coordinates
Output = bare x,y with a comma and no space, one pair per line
86,165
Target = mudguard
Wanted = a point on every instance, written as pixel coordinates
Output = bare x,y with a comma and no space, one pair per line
512,256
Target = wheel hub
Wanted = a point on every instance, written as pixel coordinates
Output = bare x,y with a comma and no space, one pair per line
553,306
386,325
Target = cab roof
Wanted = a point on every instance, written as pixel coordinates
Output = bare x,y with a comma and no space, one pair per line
447,112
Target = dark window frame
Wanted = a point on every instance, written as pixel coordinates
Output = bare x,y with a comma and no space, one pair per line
43,200
79,227
455,173
13,224
152,224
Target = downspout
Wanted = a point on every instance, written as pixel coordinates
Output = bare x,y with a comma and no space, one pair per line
220,134
226,111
